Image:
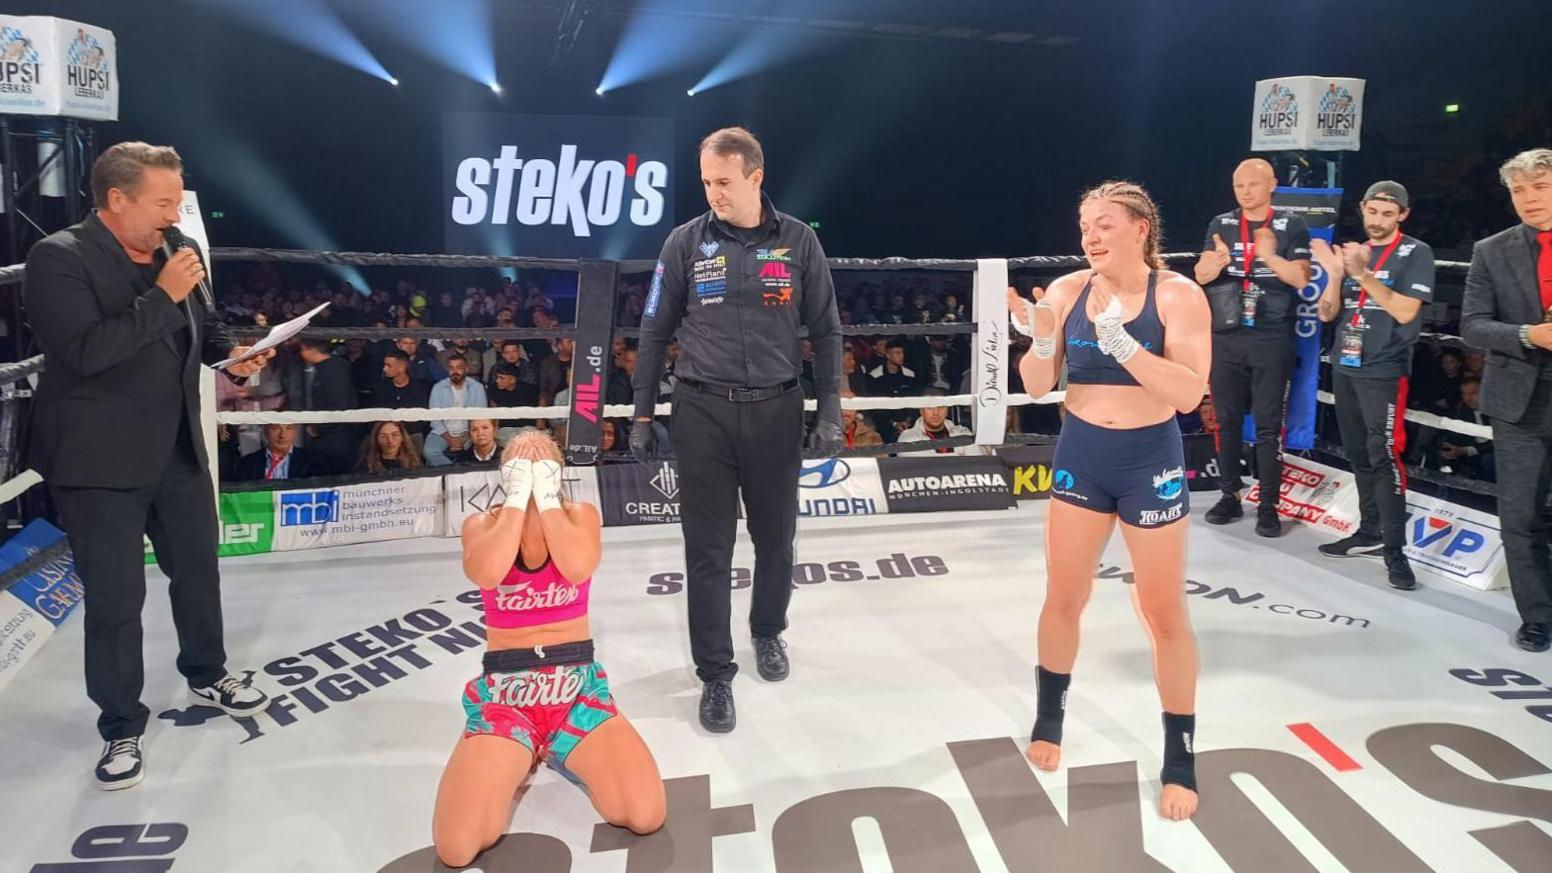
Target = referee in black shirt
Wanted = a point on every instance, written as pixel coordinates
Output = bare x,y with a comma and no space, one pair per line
1375,293
736,284
1261,258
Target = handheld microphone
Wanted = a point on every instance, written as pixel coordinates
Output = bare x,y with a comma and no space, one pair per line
173,239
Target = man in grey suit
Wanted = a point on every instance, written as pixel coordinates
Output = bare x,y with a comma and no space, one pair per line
1508,312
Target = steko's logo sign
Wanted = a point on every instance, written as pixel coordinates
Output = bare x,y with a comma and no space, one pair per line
556,186
572,190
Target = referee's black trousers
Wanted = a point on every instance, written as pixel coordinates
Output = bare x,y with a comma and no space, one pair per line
723,447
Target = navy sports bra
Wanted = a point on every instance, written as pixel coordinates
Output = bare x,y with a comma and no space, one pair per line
1086,364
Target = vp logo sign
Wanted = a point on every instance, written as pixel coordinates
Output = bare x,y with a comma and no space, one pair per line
1446,537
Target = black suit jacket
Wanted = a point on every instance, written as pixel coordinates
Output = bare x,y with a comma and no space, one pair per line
1501,295
252,466
115,384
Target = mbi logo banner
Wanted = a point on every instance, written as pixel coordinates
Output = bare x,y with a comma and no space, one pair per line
557,186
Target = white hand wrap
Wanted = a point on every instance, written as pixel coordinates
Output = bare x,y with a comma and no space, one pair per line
1043,346
1110,330
546,485
517,477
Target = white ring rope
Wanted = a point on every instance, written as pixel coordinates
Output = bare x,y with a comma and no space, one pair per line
623,410
613,410
1428,419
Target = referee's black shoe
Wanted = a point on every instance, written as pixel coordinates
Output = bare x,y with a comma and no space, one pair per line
770,658
717,713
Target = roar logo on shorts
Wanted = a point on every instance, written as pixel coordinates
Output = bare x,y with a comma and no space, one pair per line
1150,517
1168,484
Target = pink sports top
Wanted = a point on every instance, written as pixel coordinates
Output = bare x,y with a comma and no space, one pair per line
528,598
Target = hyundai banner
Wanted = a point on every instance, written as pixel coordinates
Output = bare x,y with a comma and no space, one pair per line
840,486
557,186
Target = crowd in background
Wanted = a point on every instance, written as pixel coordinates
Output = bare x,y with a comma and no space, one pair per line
480,372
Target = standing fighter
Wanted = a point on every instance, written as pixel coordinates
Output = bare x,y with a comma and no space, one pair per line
737,283
1137,343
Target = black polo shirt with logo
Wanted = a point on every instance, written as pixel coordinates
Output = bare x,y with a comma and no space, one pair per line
1276,301
1386,344
737,298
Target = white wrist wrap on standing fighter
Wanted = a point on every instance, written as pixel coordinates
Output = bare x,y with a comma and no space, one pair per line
1110,330
1044,347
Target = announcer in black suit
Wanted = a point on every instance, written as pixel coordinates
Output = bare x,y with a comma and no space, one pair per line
116,434
1508,312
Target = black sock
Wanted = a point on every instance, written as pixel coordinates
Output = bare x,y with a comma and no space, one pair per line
1179,759
1051,706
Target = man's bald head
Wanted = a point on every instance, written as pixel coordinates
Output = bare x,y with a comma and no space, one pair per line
1254,180
1256,165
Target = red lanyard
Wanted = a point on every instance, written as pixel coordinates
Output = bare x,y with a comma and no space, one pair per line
1246,246
1363,294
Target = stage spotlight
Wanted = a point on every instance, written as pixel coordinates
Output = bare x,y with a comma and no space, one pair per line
456,34
308,24
394,81
495,88
690,92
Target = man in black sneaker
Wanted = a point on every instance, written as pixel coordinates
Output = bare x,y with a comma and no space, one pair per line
1375,293
1265,256
125,320
737,284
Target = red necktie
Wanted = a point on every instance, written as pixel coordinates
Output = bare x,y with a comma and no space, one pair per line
1544,269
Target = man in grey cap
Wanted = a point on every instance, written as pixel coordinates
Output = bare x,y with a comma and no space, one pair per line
1375,293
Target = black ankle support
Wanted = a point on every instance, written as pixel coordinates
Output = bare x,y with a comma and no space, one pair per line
1179,759
1051,706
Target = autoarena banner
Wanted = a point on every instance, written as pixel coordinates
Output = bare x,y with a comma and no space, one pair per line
557,186
366,513
466,494
945,483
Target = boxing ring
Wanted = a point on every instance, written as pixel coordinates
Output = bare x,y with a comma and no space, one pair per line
1343,726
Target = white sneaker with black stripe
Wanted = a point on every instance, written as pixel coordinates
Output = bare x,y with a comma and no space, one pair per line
1355,546
122,764
230,695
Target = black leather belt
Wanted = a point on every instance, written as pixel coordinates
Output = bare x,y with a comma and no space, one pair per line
741,394
559,655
